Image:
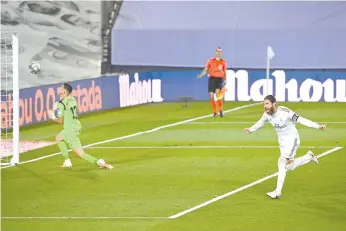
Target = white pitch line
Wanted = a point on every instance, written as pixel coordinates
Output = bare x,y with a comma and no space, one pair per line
223,122
240,189
251,122
139,133
195,147
78,218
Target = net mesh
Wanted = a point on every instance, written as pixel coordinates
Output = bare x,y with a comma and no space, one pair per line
6,87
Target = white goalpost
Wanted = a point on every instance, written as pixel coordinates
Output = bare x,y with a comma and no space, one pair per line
9,99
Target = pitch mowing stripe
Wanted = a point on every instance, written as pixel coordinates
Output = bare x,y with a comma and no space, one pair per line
138,133
240,189
173,216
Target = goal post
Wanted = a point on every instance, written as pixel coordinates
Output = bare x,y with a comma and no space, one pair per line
9,100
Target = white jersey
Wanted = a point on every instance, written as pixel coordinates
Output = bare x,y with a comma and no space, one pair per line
283,121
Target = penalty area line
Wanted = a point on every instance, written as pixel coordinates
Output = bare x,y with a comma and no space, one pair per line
240,189
80,218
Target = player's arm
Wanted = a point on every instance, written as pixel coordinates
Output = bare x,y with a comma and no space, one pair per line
59,106
205,70
306,122
260,123
59,120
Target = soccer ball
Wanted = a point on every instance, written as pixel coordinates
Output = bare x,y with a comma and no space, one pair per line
34,68
58,113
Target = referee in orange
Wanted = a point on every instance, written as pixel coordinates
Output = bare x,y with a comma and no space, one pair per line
216,68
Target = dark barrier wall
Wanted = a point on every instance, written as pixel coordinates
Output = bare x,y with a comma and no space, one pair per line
128,90
62,36
186,33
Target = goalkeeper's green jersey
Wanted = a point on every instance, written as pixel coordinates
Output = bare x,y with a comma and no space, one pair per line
68,110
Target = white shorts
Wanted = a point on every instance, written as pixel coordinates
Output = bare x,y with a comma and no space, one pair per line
289,146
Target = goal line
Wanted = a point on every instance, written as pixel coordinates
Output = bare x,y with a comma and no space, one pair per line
203,147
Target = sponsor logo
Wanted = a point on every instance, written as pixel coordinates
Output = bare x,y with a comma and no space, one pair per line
35,103
280,126
139,91
309,90
88,99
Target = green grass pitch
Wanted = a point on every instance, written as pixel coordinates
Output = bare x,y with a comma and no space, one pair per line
162,172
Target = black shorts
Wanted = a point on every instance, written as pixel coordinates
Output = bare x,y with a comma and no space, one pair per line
214,83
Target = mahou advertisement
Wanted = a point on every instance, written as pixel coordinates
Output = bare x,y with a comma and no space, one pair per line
155,87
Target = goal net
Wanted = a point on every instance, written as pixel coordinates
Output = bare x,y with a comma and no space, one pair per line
9,99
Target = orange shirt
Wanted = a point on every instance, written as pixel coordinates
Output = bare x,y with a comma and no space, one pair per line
216,68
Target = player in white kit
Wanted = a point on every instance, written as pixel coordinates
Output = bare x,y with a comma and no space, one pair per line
283,120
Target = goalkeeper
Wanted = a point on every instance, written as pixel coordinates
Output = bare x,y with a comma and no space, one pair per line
68,116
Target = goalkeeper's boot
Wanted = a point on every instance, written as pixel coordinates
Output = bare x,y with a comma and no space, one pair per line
221,114
67,164
274,195
103,164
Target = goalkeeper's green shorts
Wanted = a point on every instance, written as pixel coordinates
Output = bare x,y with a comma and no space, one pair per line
71,137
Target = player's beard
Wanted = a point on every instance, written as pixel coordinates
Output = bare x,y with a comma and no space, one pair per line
270,110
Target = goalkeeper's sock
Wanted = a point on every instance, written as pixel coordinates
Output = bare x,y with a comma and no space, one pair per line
63,148
89,158
213,105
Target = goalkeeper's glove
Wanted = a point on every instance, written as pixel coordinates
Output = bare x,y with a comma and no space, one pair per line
51,115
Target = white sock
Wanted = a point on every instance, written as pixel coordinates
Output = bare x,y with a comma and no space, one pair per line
281,174
300,161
